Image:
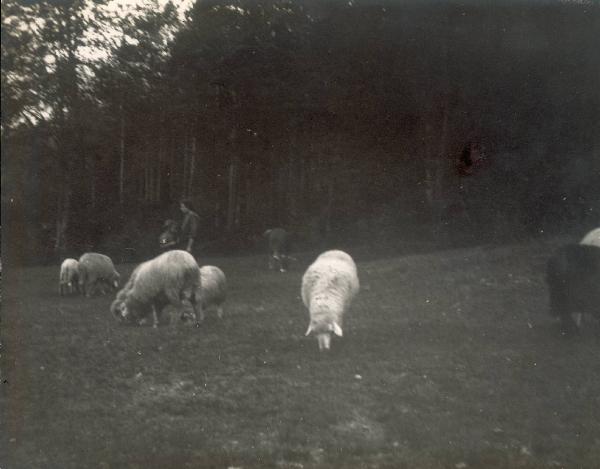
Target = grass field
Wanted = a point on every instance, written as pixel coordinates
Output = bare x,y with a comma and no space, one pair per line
449,360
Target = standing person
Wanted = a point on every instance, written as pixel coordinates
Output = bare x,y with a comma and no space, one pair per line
189,225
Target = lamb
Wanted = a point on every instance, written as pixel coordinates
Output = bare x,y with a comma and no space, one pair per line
96,269
69,276
279,246
171,278
328,287
592,238
573,278
213,289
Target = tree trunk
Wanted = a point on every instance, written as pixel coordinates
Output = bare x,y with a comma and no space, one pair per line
329,206
302,189
330,185
121,154
146,178
217,216
190,191
232,193
62,219
292,192
158,177
172,149
93,184
150,185
184,175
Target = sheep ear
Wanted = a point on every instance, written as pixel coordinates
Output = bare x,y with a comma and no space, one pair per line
337,330
309,330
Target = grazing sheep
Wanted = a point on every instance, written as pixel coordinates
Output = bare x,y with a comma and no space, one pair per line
69,276
573,278
213,289
279,246
592,238
96,270
171,278
328,287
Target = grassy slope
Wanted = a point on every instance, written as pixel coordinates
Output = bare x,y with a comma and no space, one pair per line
447,358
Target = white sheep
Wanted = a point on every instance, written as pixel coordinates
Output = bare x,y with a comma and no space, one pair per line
172,278
69,276
213,289
96,270
328,287
592,238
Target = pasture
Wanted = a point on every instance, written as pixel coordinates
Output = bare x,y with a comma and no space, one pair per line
448,360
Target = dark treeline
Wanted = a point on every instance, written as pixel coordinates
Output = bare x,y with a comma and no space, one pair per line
344,121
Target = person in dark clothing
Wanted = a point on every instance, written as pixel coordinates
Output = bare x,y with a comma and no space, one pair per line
189,225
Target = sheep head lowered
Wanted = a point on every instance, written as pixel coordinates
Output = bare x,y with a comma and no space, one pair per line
328,287
126,309
323,333
172,278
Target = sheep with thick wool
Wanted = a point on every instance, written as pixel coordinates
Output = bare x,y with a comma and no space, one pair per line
96,270
171,278
212,294
69,276
573,279
592,238
328,287
213,290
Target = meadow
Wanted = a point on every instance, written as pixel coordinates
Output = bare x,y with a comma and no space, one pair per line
449,360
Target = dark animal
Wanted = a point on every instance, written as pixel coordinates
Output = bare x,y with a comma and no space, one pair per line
169,238
573,278
279,248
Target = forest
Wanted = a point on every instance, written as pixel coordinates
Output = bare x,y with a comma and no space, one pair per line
342,121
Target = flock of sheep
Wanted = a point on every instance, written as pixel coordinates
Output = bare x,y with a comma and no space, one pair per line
174,280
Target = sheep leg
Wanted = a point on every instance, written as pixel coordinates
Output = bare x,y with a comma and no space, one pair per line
82,285
90,286
196,301
284,262
198,309
175,298
154,317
